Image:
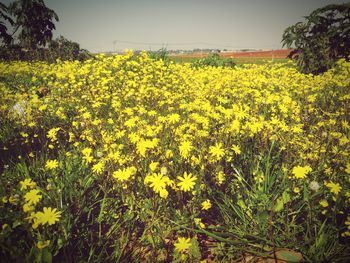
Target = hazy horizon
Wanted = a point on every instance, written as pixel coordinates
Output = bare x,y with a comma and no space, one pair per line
107,25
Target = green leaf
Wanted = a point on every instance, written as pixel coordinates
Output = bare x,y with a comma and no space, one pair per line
46,256
279,205
262,217
194,250
285,197
16,224
59,245
306,194
289,255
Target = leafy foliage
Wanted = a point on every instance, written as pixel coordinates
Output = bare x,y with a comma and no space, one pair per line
4,35
161,54
60,48
65,49
35,21
321,40
214,60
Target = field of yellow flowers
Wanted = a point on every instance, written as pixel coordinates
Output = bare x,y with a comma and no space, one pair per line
125,158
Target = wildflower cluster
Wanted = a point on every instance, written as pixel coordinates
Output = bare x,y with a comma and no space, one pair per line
265,136
32,196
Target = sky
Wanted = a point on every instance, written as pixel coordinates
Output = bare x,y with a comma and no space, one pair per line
113,25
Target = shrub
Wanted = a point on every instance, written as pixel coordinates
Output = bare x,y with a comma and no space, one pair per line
321,40
60,48
214,60
65,49
161,54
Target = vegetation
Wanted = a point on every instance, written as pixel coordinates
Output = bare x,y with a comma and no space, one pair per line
136,158
214,60
161,54
60,48
238,61
321,40
4,35
65,49
129,158
34,21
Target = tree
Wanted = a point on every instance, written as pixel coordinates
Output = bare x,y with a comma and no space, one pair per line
35,20
4,36
321,40
67,50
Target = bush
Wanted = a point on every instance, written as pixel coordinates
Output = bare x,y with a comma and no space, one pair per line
321,40
161,54
60,48
214,60
67,50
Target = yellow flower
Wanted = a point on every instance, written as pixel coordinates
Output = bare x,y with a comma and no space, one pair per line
199,222
296,190
124,174
27,183
96,122
158,182
51,164
217,152
173,118
13,199
42,107
300,172
185,148
153,166
168,154
206,205
328,171
86,151
347,169
27,208
48,216
182,244
24,134
195,160
32,197
163,193
187,182
220,177
4,200
43,244
143,145
324,203
87,154
98,167
236,149
52,134
335,188
34,220
86,115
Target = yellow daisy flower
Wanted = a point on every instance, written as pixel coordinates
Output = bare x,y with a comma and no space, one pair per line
182,244
187,182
